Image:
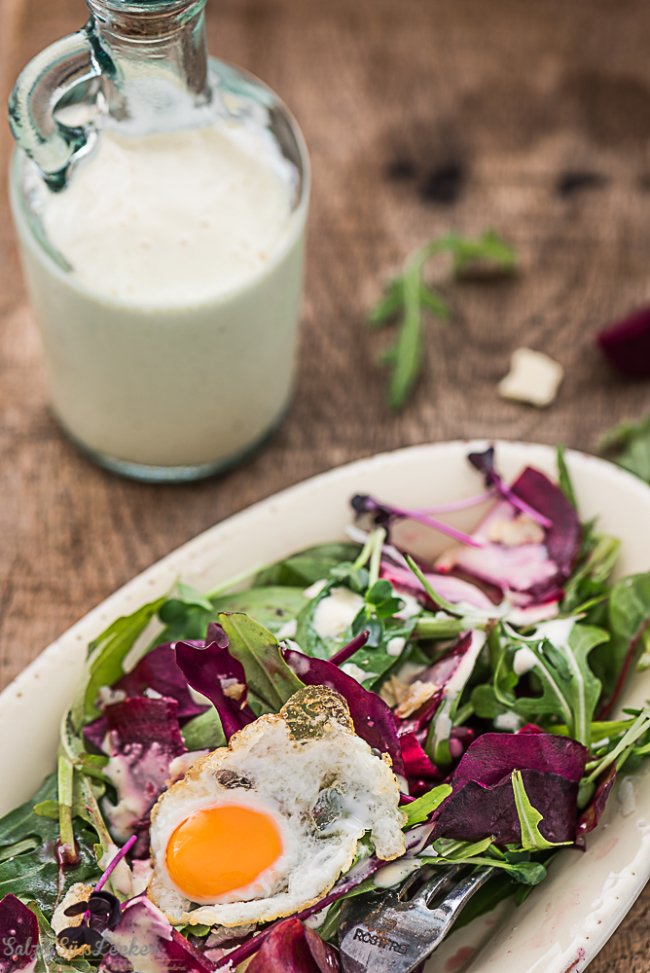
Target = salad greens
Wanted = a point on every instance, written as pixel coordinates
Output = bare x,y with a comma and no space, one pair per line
407,296
486,678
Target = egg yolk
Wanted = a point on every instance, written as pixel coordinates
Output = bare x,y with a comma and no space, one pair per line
221,849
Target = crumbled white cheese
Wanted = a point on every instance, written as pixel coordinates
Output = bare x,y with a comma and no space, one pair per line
533,378
356,672
336,612
314,589
524,660
395,646
288,630
508,721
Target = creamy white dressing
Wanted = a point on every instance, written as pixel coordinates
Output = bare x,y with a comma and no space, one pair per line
396,872
356,672
524,660
395,646
170,342
508,721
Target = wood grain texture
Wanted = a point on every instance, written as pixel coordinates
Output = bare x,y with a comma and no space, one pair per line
516,99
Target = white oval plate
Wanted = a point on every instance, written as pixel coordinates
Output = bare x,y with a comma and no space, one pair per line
567,919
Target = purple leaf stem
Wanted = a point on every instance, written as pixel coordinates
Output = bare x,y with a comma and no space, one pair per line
349,650
446,508
115,862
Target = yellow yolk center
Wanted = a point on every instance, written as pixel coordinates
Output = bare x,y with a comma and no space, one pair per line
220,849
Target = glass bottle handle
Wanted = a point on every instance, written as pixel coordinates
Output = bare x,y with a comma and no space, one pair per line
50,76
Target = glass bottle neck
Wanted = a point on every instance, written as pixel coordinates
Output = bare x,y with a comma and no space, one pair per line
155,63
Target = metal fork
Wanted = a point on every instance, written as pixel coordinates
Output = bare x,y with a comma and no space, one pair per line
387,935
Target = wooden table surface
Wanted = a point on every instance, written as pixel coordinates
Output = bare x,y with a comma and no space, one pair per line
538,113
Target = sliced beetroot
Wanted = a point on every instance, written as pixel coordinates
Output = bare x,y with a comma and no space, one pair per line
158,670
292,948
143,738
215,673
475,811
18,936
494,756
626,344
372,718
594,811
483,802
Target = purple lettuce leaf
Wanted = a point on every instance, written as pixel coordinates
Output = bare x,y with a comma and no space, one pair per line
145,939
372,718
482,802
215,673
626,344
494,756
476,811
293,948
18,936
563,534
594,810
143,738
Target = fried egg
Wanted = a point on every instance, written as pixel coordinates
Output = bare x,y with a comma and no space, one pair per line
264,827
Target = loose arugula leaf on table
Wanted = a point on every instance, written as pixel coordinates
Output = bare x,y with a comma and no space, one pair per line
407,295
270,680
628,445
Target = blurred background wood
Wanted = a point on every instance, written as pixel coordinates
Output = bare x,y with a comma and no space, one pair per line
420,116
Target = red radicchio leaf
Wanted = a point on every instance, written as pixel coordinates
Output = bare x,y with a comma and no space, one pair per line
534,570
292,948
593,812
144,937
372,718
18,936
626,344
143,739
211,670
448,587
483,803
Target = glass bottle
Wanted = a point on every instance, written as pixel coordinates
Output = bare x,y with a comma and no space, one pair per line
160,199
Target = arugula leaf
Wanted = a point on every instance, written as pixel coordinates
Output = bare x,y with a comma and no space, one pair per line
273,607
270,680
628,444
420,809
193,597
407,295
564,478
204,732
48,961
301,570
629,614
105,657
529,818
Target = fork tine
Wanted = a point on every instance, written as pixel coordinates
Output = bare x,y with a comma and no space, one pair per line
388,935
